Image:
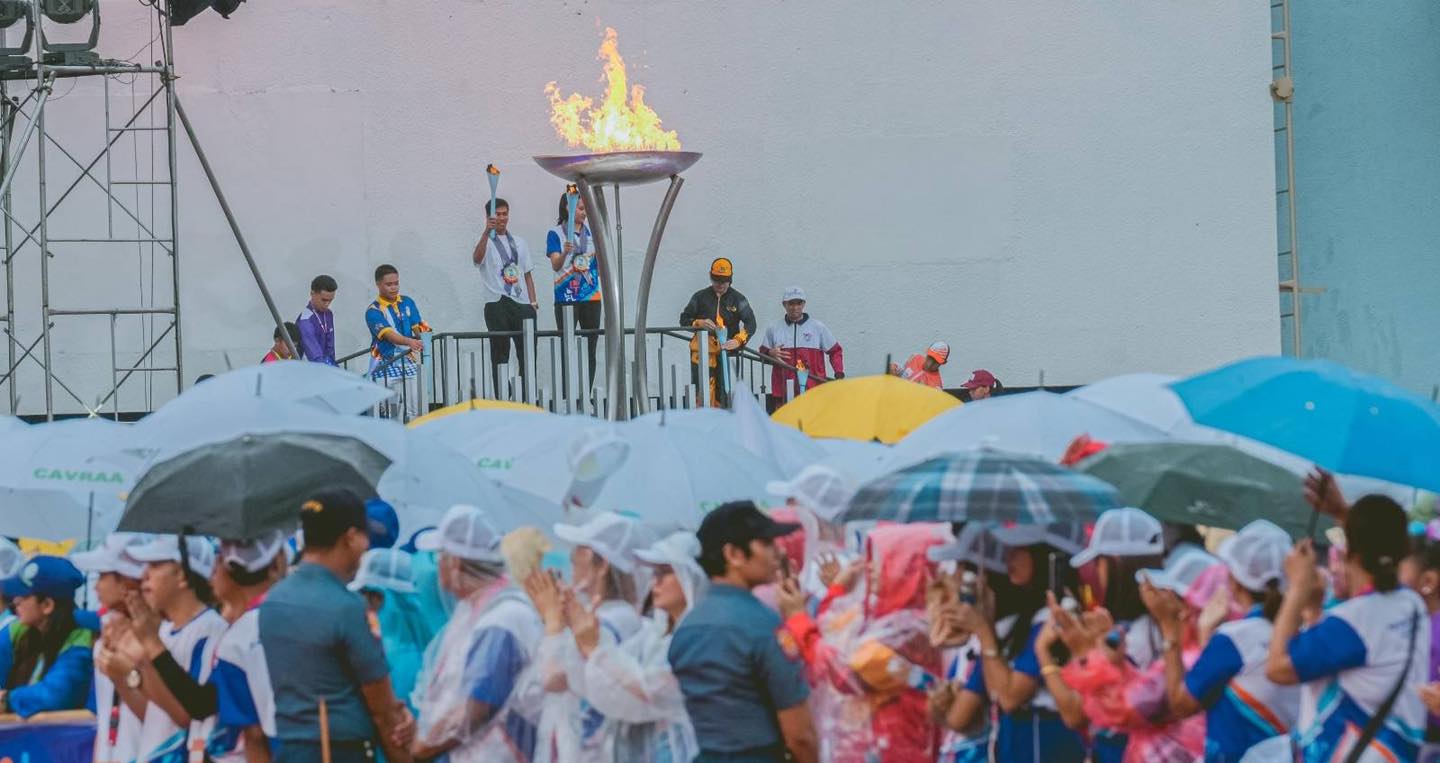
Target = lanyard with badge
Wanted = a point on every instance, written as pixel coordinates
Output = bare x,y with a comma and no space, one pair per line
509,271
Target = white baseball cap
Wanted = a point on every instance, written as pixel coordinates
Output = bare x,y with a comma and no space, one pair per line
11,559
1064,536
818,488
614,537
674,549
464,532
388,569
1181,570
112,555
793,293
1256,555
166,548
1123,532
253,555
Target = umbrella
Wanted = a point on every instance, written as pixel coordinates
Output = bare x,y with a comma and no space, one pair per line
749,428
246,467
884,408
1203,484
485,435
49,487
429,477
316,385
1343,420
860,461
477,404
1038,423
982,486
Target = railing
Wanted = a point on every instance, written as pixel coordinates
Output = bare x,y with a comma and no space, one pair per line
556,374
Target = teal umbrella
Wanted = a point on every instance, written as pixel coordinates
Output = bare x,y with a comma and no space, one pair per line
1203,484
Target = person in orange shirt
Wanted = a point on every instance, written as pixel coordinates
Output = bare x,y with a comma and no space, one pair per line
924,369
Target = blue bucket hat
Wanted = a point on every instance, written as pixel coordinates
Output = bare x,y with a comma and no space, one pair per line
51,576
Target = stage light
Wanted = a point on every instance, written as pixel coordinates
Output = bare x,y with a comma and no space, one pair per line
66,11
13,56
70,12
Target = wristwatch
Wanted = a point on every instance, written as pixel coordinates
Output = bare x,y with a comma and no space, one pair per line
132,679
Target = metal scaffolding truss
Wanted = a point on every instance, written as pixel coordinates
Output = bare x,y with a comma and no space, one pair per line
132,166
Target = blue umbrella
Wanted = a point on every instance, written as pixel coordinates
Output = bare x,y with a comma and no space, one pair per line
982,486
1341,419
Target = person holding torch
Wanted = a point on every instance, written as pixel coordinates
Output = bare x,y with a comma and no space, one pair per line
803,342
723,311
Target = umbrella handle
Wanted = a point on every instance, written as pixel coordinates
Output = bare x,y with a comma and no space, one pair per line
1314,524
324,732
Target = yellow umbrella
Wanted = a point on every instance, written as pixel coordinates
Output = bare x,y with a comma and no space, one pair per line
884,408
476,405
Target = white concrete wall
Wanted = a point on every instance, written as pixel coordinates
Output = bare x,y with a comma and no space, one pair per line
1083,188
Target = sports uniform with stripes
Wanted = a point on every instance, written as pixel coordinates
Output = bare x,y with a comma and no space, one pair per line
193,647
1358,651
242,682
1243,707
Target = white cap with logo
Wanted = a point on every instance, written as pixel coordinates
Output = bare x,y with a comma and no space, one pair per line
166,548
793,293
253,555
614,537
113,556
1123,532
464,532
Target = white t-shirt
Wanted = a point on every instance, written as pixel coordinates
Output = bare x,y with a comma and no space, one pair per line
117,729
242,681
193,647
502,273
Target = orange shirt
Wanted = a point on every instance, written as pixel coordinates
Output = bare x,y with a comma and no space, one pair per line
914,370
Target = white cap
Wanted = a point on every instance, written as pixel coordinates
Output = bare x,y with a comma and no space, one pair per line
793,293
1256,555
113,556
1064,536
1181,570
674,549
465,533
166,548
1123,532
253,555
388,569
614,537
11,559
818,488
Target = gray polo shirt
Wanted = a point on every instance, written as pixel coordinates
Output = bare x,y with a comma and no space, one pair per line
318,644
734,674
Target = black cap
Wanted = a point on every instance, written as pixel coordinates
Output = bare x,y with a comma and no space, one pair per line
738,523
328,514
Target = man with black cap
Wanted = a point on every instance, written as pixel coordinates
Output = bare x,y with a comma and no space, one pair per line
740,672
326,666
716,308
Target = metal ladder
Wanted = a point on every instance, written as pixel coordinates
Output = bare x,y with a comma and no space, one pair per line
1282,92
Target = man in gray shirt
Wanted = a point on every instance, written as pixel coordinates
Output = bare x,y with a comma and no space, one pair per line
327,668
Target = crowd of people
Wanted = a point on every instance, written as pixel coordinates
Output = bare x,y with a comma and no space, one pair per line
766,635
803,351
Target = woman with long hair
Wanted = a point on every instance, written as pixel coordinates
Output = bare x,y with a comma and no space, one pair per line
1246,712
45,657
572,254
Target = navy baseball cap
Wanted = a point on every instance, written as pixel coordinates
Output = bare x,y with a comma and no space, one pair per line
382,524
51,576
738,523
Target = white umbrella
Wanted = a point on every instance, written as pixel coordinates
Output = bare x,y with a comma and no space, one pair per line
488,436
747,427
316,385
50,487
858,461
1035,423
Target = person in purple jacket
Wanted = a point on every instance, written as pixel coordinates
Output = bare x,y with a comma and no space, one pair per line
317,323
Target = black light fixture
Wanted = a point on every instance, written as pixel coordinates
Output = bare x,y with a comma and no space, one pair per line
12,56
70,12
182,11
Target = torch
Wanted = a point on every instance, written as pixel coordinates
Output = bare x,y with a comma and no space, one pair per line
572,200
802,375
722,335
492,173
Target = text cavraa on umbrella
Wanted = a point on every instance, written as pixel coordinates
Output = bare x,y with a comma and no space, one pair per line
49,486
1204,484
982,486
245,468
1343,420
884,408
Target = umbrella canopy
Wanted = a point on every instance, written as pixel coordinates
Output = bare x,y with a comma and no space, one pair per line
1341,419
982,486
860,461
316,385
749,428
475,405
49,486
1037,423
243,468
1203,484
884,408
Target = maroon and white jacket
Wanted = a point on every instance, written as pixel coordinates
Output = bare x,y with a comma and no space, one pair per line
807,341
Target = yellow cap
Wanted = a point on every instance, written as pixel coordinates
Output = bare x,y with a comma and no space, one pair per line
721,268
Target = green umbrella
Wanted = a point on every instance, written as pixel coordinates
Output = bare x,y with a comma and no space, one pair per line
1203,484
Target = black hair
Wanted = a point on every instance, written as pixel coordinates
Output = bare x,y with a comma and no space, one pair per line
1269,598
245,578
292,330
329,516
1026,601
385,270
1177,533
323,283
37,647
1376,534
497,203
713,563
1427,555
564,209
200,586
1122,591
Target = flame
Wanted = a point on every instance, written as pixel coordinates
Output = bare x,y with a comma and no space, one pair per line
492,169
616,124
571,189
799,365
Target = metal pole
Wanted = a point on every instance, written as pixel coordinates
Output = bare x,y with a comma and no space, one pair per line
527,365
14,163
554,369
567,338
44,240
619,259
6,134
172,105
234,226
702,343
660,374
614,329
647,274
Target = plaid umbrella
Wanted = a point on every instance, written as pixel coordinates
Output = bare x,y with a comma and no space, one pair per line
982,486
